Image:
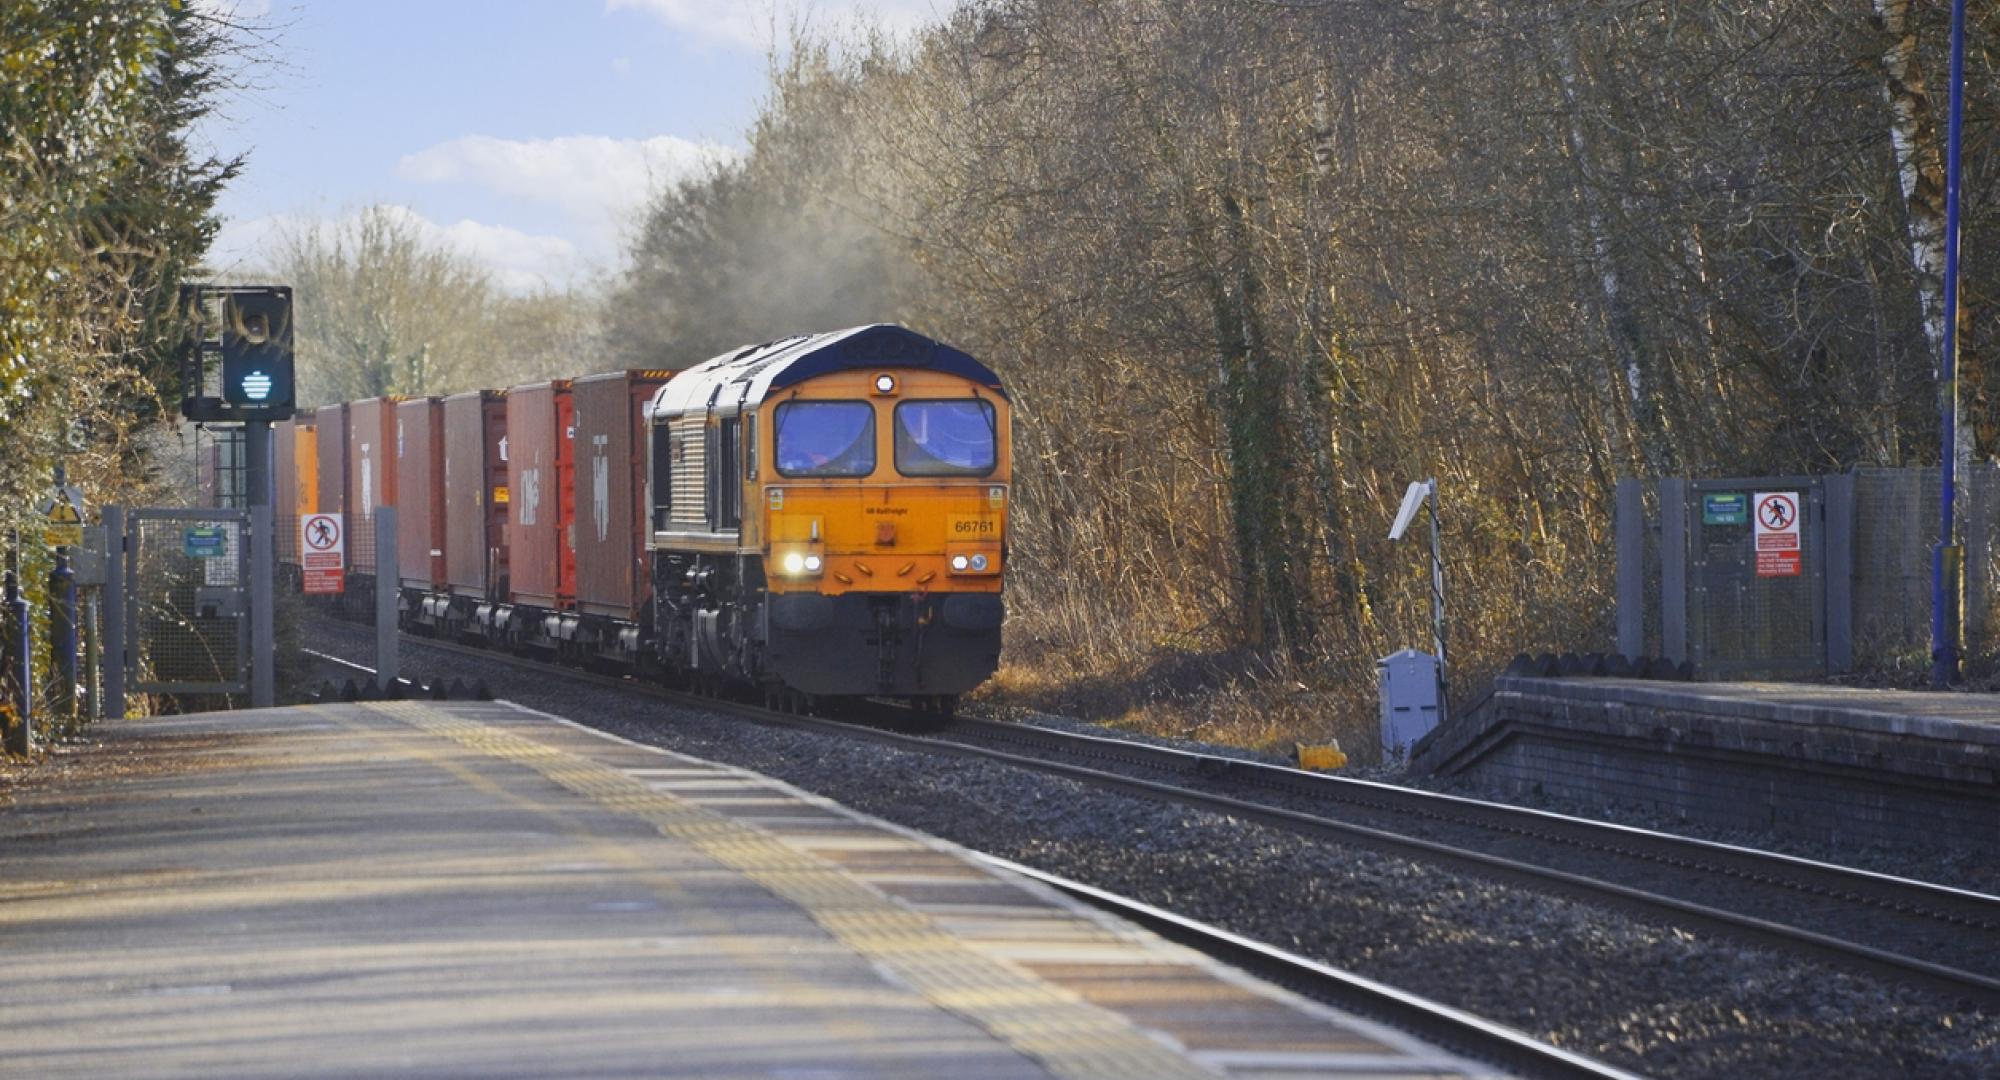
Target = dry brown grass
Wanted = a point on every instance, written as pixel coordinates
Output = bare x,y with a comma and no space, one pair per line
1227,698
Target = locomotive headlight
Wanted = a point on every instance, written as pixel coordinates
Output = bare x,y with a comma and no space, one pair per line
960,562
795,563
979,562
813,564
885,383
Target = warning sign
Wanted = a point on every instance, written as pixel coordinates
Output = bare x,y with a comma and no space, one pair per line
323,553
64,527
1775,525
63,516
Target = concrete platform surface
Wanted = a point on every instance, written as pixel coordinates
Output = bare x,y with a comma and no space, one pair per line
416,889
1964,717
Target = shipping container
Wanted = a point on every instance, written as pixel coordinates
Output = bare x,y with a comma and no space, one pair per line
541,546
610,491
475,494
306,447
371,465
420,493
330,464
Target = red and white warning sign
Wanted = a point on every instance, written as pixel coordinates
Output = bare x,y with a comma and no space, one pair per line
1775,516
323,553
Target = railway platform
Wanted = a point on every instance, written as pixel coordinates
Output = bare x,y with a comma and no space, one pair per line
411,888
1898,768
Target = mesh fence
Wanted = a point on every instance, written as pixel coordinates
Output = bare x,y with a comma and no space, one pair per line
1896,525
188,606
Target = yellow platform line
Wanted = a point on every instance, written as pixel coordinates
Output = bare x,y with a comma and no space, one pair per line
1068,1035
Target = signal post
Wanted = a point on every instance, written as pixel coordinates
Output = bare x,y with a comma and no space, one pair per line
252,340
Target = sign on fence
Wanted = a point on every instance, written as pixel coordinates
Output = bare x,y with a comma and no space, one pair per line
204,542
1776,527
1725,508
323,553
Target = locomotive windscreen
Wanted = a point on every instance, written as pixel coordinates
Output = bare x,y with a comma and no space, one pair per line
826,438
945,438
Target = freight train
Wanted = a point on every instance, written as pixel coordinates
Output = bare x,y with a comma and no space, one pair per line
818,517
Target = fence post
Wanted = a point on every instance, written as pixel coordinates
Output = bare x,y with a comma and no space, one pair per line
62,638
91,702
1673,568
1630,521
19,654
114,612
1839,571
387,587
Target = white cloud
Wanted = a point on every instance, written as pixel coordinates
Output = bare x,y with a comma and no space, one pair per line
750,24
595,180
519,261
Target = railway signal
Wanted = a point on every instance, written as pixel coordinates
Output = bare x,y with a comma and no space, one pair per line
246,330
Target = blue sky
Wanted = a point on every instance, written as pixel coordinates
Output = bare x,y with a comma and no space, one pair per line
526,134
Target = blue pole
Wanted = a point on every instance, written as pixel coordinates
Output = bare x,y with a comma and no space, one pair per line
19,678
1948,559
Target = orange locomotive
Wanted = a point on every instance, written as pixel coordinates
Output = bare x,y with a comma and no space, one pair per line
828,514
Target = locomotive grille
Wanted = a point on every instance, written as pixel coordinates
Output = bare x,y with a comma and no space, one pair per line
690,458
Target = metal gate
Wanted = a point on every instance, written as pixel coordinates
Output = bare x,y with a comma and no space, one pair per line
1742,611
187,607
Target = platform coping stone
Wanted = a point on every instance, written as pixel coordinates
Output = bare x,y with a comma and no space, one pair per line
1054,1026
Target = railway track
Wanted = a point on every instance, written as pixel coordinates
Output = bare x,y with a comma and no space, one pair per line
1937,937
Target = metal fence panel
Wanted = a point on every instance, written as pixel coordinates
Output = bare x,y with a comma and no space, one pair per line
1740,623
187,601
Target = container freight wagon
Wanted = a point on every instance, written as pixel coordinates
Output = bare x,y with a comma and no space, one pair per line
420,507
295,464
371,475
541,546
475,496
330,460
612,582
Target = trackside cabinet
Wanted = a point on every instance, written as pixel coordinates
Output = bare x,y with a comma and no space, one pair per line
1409,682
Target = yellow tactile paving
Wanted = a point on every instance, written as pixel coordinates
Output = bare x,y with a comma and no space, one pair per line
1032,1015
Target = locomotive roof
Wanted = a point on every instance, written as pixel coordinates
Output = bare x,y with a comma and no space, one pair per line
744,378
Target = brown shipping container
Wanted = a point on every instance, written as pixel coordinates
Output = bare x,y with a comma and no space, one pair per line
541,550
420,493
330,425
610,445
371,475
475,494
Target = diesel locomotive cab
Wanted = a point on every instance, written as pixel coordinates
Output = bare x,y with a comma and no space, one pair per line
829,514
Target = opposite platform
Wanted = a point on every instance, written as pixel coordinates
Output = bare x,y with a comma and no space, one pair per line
477,889
1897,768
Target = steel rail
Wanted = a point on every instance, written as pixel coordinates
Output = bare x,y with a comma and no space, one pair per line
1899,895
1982,989
1436,1023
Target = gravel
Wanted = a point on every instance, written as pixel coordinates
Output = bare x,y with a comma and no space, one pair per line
1644,996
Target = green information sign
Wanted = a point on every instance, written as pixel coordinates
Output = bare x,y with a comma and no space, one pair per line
204,542
1730,508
